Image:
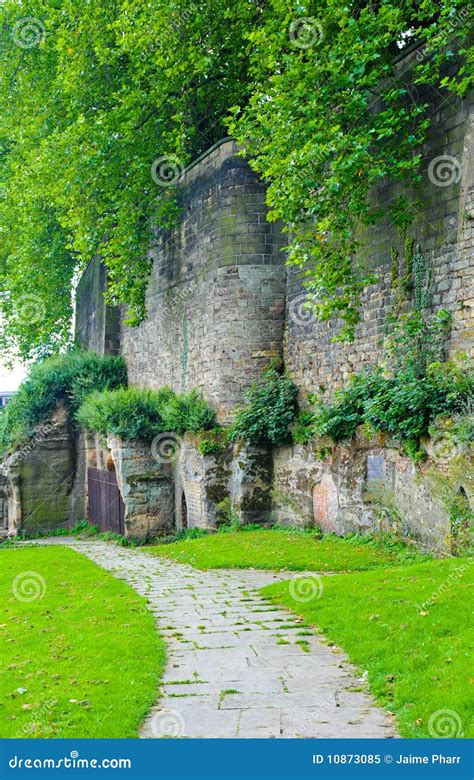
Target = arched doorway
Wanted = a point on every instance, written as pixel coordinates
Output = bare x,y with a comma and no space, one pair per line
184,511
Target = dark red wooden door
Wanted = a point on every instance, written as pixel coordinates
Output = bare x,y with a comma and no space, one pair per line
105,507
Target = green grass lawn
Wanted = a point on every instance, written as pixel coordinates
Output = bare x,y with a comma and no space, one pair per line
277,549
418,655
81,660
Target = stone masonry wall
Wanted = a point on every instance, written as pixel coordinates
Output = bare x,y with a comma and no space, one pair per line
216,295
97,323
444,231
237,474
221,304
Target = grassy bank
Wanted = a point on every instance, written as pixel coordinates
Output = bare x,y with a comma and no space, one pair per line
79,653
280,549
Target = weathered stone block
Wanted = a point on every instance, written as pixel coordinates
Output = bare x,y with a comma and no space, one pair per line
145,479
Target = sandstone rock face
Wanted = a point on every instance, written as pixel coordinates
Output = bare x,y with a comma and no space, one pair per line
371,486
39,478
363,486
201,484
4,524
251,483
240,475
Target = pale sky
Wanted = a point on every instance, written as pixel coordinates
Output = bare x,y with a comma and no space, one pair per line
11,378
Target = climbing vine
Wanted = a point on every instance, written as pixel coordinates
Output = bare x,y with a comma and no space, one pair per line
102,105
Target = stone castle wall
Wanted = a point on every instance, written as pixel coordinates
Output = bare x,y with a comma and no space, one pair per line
221,304
97,325
444,231
216,295
371,486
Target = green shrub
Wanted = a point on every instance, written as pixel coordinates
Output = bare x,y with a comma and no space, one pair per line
209,446
340,419
456,429
406,405
216,440
269,411
134,413
187,412
127,412
403,405
303,429
405,397
67,378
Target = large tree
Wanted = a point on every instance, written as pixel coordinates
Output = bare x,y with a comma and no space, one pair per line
103,103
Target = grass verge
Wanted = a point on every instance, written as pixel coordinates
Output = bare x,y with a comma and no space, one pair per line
79,652
411,628
285,549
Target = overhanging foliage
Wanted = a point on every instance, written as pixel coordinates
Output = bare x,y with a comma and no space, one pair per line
103,104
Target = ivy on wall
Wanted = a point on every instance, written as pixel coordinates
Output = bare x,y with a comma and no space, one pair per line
413,386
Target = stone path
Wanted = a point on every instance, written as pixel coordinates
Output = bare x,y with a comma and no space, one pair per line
236,665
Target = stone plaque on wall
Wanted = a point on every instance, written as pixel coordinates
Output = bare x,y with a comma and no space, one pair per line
376,471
